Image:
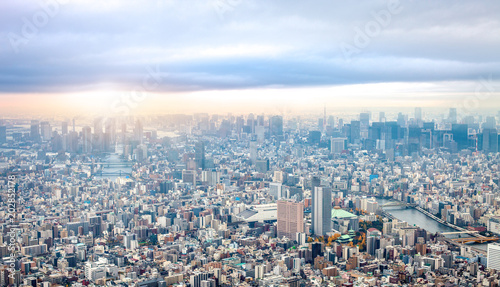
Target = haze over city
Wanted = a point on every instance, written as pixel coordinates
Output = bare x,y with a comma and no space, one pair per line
220,143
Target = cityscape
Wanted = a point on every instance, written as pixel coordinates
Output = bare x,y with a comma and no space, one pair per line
253,200
239,143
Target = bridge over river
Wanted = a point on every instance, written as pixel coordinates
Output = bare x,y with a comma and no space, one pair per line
416,216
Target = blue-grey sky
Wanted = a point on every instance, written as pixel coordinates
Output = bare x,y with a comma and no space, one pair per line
73,46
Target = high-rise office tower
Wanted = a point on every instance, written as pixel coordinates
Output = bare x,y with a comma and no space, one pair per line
453,118
316,250
402,120
240,122
98,126
494,256
331,121
276,126
111,130
64,128
251,123
46,131
324,118
296,264
208,283
98,136
490,140
128,240
199,154
70,142
3,134
260,120
86,139
321,210
123,134
337,145
253,151
195,279
315,182
290,219
373,243
381,117
138,131
276,190
364,119
490,123
35,130
314,137
460,135
355,132
301,238
259,272
431,126
418,114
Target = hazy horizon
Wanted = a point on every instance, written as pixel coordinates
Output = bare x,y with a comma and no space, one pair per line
155,57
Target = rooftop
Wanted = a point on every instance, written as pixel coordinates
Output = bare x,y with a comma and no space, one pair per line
337,212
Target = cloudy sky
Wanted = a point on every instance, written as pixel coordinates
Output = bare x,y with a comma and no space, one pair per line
243,55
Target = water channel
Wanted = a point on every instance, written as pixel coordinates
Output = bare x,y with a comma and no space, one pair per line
416,218
115,167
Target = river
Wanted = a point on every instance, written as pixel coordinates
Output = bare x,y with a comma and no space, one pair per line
416,218
115,160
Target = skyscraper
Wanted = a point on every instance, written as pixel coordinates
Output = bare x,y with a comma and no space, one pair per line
46,131
452,118
86,139
111,129
276,126
316,250
490,140
324,119
321,210
98,137
402,120
490,123
381,117
259,271
138,131
276,190
253,151
35,130
3,134
64,128
494,256
355,132
337,145
98,126
315,182
364,119
373,243
199,154
461,135
290,219
418,114
321,123
195,279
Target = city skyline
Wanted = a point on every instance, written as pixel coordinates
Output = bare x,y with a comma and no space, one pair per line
270,199
221,143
